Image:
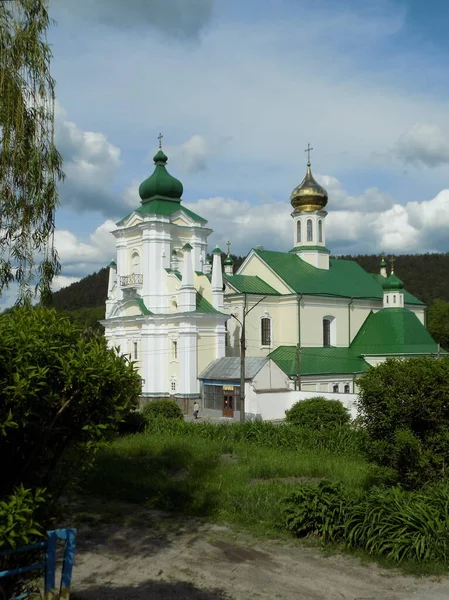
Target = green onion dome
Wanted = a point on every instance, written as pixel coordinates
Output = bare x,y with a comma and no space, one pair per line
160,184
228,260
392,283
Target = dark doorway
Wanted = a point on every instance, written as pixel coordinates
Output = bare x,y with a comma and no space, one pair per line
228,401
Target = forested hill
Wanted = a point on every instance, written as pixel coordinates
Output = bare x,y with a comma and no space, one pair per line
424,275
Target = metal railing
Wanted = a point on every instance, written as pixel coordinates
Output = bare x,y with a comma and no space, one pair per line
48,565
128,280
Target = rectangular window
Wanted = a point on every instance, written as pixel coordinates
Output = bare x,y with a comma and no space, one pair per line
213,397
135,350
175,350
173,386
326,332
265,325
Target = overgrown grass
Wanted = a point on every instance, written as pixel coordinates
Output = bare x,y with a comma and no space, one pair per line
240,482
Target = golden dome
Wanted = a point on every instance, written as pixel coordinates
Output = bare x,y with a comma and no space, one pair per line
308,195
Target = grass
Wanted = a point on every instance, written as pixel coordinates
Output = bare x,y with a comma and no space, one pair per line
238,482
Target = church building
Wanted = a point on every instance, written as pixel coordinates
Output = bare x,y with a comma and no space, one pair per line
312,323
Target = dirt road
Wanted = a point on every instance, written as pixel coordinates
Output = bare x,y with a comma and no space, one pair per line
168,558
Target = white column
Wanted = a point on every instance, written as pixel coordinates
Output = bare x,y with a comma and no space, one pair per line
217,280
187,295
188,358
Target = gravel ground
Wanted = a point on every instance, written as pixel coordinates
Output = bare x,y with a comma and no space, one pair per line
168,558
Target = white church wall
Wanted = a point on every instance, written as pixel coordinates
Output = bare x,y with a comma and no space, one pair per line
272,405
270,377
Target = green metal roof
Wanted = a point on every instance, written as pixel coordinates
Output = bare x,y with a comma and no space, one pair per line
164,208
160,182
143,309
203,306
250,284
319,361
393,331
345,278
408,297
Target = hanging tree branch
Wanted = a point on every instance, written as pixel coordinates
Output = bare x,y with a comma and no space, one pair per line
30,165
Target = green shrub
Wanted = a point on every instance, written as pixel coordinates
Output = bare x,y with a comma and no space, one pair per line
404,410
163,409
392,523
133,422
318,413
61,393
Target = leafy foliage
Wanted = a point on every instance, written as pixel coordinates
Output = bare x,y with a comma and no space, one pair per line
391,522
162,409
30,165
438,322
133,422
89,292
404,409
318,413
18,524
61,393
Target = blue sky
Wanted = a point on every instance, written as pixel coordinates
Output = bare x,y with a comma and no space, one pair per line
238,90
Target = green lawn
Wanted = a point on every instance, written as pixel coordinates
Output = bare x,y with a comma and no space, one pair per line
239,482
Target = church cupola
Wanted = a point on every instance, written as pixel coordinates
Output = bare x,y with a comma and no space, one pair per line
309,200
393,290
160,185
383,267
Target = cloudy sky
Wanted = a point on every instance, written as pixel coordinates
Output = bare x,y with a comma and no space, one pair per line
238,89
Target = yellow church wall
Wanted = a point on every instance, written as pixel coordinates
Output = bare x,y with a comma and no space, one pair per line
254,266
207,350
203,286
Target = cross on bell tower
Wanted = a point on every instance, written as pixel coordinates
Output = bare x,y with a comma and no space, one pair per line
159,137
308,150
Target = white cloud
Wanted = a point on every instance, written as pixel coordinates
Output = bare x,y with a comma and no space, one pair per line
424,144
62,281
91,163
79,258
371,200
415,227
195,153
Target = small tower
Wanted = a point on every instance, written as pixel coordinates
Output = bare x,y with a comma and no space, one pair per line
112,288
393,290
228,262
309,200
217,280
207,269
383,267
174,261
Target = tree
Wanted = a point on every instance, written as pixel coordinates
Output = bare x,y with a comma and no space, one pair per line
404,409
438,322
30,165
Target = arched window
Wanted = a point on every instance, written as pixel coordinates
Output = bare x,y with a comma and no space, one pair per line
335,388
265,331
326,332
320,230
346,388
394,299
309,230
135,263
298,232
388,299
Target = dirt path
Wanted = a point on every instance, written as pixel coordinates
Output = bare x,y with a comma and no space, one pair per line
168,558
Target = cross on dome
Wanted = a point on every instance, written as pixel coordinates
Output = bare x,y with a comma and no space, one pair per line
308,150
228,244
159,137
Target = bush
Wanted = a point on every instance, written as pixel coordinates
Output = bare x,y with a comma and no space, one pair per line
318,413
414,524
61,393
133,422
404,409
164,409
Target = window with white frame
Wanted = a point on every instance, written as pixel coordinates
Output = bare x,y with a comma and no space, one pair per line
174,350
135,351
320,230
265,331
335,388
298,232
173,386
329,331
309,230
347,388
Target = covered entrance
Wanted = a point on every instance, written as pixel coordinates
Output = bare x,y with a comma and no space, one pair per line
228,401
